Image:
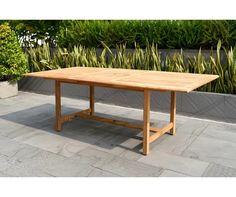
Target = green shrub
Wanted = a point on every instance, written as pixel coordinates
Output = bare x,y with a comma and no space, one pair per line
87,33
12,60
167,34
215,30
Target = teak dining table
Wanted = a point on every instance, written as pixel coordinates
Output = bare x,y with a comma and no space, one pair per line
138,80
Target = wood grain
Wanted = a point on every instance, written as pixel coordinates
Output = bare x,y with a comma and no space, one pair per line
162,131
58,105
146,122
127,78
70,117
173,112
91,99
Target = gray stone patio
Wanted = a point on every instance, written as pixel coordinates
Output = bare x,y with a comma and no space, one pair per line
29,146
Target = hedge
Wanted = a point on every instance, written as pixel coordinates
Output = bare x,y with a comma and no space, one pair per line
167,34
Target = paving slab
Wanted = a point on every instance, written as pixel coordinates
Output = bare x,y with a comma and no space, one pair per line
8,127
175,144
119,166
78,129
101,173
13,153
71,167
111,144
31,114
2,174
212,150
97,157
134,146
216,170
170,173
80,164
52,142
183,138
132,149
4,164
11,107
35,166
191,167
116,110
124,131
9,147
130,168
221,132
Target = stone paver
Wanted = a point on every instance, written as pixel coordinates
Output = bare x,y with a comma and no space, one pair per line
29,145
170,173
38,165
4,163
191,167
125,167
185,136
52,143
121,166
221,132
2,174
101,173
216,170
213,150
111,143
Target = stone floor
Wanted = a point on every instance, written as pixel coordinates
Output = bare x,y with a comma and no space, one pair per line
29,146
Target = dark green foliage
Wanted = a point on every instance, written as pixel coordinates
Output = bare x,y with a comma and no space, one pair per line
12,59
87,33
168,34
29,32
215,30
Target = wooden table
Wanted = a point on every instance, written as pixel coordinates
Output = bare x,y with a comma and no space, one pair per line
138,80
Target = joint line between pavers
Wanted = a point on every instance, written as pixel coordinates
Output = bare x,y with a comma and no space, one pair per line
197,136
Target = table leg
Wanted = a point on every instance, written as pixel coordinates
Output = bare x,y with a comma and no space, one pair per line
173,111
146,122
91,98
58,105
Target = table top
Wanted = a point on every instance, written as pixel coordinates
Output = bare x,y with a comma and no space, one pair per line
128,78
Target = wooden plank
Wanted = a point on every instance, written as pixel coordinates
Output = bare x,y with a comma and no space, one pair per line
146,122
173,112
91,99
58,105
72,116
128,79
168,127
111,121
86,115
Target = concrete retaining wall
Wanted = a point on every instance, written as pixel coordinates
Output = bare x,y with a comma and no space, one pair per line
198,104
